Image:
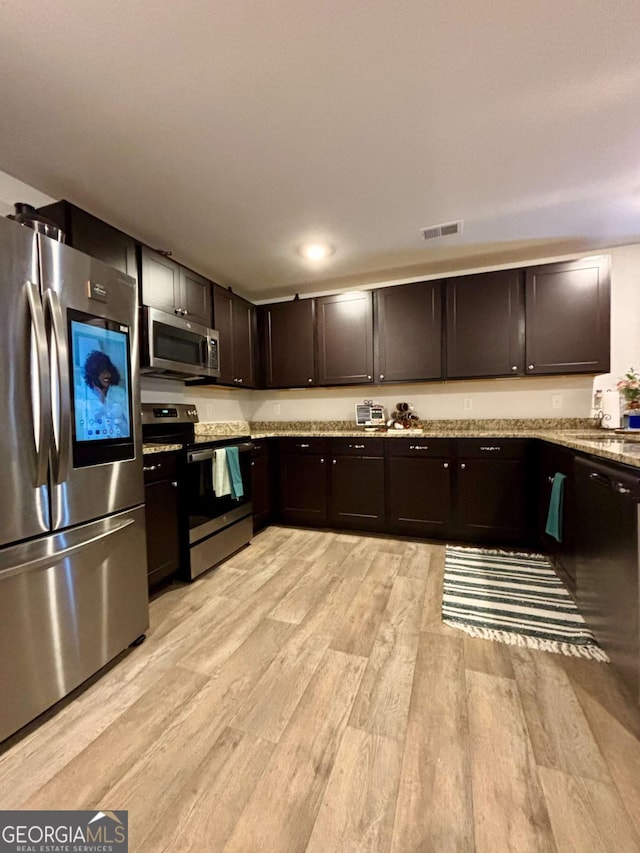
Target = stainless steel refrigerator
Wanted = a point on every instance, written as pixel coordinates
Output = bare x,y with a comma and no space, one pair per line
73,589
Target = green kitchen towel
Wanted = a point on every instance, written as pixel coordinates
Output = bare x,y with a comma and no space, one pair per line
554,516
233,464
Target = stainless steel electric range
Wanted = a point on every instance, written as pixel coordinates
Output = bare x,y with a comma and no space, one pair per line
213,521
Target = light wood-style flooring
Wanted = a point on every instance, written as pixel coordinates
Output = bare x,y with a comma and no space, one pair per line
305,696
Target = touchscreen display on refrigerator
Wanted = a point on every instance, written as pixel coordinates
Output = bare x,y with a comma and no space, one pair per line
101,380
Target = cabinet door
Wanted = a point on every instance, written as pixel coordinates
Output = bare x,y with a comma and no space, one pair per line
409,334
419,496
485,324
345,339
163,547
552,460
244,334
160,282
357,492
223,322
262,488
493,501
288,345
94,237
567,317
303,489
195,297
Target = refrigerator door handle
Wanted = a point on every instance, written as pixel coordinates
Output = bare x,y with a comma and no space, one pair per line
55,557
42,391
61,455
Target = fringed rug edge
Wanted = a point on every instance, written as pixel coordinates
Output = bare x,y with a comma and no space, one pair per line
589,651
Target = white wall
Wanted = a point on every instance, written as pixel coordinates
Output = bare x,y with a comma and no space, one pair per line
13,190
213,404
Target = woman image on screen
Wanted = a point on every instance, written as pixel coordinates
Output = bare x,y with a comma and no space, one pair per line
106,409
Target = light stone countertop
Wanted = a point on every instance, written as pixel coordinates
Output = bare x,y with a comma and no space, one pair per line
572,433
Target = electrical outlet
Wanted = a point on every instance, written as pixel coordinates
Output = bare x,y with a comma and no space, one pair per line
556,401
276,408
468,404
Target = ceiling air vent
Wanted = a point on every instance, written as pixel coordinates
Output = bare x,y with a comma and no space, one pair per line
444,230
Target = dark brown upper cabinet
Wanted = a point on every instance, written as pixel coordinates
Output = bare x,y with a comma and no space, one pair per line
485,324
235,320
170,287
345,339
287,336
568,317
90,235
408,341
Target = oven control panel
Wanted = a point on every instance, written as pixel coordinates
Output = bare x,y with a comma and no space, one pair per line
158,413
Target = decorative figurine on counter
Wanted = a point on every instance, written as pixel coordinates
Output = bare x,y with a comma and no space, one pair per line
404,417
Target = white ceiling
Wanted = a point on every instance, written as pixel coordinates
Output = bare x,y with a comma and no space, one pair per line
232,131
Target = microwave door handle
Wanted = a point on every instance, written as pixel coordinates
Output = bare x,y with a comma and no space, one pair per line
42,391
204,353
61,452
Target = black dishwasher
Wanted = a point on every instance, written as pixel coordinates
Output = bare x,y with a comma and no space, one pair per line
607,498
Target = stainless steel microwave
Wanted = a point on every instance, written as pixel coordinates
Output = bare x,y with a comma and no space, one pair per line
175,348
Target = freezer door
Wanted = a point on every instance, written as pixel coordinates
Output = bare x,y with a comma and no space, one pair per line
25,424
92,320
69,603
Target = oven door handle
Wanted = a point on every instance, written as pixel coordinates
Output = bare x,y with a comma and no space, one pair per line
203,455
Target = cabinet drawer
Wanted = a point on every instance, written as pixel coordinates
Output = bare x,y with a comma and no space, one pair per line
481,448
304,445
356,446
440,447
160,466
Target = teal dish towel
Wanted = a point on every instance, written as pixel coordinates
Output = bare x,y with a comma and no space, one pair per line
554,516
235,475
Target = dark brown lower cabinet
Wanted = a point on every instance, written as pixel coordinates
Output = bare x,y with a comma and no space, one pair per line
262,483
553,460
161,513
357,484
303,482
477,490
418,477
494,492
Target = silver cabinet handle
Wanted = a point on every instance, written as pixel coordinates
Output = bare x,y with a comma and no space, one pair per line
253,464
515,367
152,467
334,461
43,431
240,381
462,465
310,381
382,376
322,461
446,465
369,376
303,446
418,447
174,483
531,366
551,479
357,446
61,455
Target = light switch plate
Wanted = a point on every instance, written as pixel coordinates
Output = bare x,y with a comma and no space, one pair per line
468,404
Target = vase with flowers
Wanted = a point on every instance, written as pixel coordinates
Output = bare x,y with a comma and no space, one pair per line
629,388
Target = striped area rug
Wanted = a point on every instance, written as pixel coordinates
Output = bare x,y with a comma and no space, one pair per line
513,598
